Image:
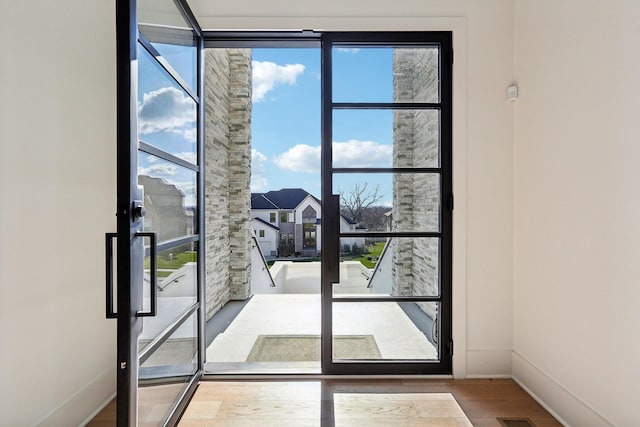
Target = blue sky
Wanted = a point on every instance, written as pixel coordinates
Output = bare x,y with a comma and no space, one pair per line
285,119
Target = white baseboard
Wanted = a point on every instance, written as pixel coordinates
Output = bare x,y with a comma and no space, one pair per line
489,363
74,411
98,410
566,407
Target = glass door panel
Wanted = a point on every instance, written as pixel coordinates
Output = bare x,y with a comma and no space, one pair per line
166,28
362,331
380,74
387,158
159,193
384,135
166,112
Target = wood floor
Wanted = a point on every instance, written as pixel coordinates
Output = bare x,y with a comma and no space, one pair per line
370,403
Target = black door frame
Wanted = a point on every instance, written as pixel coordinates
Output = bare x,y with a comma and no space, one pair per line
330,203
130,248
331,269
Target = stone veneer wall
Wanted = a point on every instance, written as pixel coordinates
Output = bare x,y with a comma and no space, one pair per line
416,199
228,175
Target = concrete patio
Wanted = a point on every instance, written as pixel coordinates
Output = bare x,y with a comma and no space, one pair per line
395,335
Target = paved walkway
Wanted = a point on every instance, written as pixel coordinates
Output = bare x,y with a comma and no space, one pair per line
395,334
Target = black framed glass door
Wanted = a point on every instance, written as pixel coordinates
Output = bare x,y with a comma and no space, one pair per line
159,249
395,89
386,149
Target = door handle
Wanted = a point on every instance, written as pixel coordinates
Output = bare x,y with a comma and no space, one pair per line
332,224
109,237
153,245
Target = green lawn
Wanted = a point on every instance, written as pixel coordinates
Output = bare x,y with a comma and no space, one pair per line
371,251
178,261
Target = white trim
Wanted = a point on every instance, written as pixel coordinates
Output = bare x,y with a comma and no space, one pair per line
482,363
97,394
459,276
458,26
97,411
544,388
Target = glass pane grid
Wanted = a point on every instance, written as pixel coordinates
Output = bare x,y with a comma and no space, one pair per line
170,33
413,336
402,73
387,268
167,114
382,204
392,138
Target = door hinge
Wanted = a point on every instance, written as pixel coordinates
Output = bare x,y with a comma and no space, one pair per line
451,202
450,347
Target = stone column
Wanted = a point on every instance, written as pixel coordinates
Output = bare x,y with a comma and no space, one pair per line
227,174
240,173
416,197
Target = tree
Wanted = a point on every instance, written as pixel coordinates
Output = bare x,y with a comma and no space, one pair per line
358,200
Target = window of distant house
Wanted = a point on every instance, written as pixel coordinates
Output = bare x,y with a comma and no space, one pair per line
309,239
272,217
309,215
261,234
283,217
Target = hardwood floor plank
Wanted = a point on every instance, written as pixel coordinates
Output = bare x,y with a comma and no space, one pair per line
266,409
354,403
503,408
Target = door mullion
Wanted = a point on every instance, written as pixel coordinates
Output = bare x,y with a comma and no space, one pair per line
128,325
327,194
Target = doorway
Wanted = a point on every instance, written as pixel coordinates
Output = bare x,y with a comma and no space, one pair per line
386,151
382,230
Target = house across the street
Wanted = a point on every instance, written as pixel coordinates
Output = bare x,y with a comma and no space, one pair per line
287,222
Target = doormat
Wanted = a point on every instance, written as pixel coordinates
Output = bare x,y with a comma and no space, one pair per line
306,348
515,422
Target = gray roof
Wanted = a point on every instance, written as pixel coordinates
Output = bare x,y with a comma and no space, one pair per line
285,199
267,223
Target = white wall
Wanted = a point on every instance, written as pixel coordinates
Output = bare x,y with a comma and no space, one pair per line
483,155
577,210
264,215
261,280
268,243
57,185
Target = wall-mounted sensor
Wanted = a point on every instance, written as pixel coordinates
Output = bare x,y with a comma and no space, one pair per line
512,93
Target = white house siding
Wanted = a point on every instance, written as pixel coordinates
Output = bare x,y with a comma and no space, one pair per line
299,234
261,280
268,243
346,227
265,215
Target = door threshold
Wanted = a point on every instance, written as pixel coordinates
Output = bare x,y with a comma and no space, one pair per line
317,376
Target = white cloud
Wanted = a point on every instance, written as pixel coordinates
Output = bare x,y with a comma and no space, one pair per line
166,109
300,158
348,49
352,153
159,170
361,154
258,178
387,203
267,74
189,134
